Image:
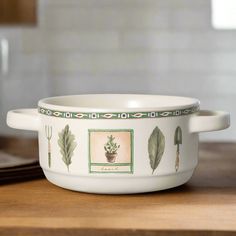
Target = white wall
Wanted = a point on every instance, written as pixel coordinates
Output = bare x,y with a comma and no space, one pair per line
128,46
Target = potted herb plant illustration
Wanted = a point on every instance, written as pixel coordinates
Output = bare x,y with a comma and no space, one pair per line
177,141
67,145
111,148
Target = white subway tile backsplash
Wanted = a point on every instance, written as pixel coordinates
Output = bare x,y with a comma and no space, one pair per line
34,40
203,62
191,18
190,3
194,62
225,61
104,18
224,41
23,64
84,41
54,41
13,36
128,3
163,83
198,84
100,84
203,41
121,46
109,63
156,40
21,92
211,40
17,93
106,3
145,40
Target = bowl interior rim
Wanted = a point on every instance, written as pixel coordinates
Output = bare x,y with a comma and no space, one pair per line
117,102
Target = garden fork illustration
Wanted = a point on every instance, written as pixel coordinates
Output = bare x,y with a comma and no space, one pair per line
48,132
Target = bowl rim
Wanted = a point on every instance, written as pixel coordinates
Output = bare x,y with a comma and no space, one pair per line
53,103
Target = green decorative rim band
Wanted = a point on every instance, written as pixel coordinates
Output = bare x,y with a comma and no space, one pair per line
118,115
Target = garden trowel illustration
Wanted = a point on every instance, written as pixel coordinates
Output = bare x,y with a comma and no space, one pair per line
177,141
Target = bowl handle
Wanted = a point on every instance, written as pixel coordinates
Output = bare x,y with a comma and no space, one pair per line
206,120
27,119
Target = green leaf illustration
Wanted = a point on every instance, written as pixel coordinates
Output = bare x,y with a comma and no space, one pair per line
67,145
156,147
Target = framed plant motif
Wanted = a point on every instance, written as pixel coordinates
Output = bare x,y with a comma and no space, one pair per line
111,151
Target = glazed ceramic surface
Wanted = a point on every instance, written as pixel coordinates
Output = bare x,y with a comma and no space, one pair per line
118,144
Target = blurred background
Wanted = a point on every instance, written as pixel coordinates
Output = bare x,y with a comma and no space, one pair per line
60,47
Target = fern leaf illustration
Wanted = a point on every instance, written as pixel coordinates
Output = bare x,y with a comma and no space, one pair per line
67,145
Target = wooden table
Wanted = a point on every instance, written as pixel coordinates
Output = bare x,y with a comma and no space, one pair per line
207,204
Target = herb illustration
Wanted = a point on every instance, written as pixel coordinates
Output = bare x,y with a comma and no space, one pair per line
67,144
177,141
48,132
111,149
156,147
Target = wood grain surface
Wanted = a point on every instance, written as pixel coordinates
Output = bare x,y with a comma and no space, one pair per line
206,204
18,12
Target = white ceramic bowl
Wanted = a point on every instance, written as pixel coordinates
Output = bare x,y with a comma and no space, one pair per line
118,144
